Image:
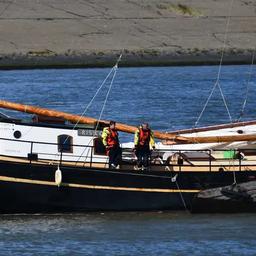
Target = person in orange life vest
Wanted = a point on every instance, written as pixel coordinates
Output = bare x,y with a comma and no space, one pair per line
111,142
143,140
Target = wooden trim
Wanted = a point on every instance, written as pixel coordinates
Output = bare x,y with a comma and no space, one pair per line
213,127
220,139
212,139
96,187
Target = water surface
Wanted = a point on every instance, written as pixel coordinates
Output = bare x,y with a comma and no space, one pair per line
128,234
168,98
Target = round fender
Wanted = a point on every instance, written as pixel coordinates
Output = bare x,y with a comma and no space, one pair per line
58,177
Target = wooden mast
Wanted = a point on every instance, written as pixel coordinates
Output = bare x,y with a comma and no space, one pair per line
169,137
215,139
213,127
82,120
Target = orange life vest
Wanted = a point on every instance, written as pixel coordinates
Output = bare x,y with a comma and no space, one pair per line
112,139
144,137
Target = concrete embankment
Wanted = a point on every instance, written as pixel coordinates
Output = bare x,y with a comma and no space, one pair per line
93,33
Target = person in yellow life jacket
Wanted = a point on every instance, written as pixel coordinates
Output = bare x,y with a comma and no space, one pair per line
111,142
143,141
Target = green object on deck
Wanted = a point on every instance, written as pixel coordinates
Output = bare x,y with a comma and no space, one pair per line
229,154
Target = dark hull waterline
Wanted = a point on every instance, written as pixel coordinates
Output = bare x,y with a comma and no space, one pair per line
31,188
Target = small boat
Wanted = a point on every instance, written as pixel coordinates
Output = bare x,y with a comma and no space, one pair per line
56,162
228,199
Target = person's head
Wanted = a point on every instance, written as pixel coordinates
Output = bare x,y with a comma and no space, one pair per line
144,126
112,124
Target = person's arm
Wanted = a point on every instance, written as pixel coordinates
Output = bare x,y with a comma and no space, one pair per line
104,137
136,138
152,140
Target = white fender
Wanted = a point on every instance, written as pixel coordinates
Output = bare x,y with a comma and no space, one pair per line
174,178
58,177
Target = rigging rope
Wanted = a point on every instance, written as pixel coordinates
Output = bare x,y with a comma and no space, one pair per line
225,102
91,101
106,99
103,107
247,86
104,104
89,104
109,89
225,39
174,179
205,105
216,84
97,92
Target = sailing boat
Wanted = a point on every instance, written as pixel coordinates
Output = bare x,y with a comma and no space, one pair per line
57,163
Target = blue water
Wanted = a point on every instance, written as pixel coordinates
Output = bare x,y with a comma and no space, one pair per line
128,234
168,98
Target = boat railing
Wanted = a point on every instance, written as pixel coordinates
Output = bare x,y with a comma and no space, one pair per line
48,151
161,159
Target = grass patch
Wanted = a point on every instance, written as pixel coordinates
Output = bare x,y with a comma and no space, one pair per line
42,53
147,52
180,9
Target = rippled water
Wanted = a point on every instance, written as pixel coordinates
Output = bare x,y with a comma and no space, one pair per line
128,234
169,98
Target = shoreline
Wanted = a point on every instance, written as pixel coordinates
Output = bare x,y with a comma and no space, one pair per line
142,58
83,34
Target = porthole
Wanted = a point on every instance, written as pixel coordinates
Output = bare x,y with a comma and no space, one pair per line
17,134
65,143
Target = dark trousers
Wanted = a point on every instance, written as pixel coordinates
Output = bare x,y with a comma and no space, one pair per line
143,155
115,156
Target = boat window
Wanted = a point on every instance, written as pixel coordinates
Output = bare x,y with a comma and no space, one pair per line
17,134
65,143
98,146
